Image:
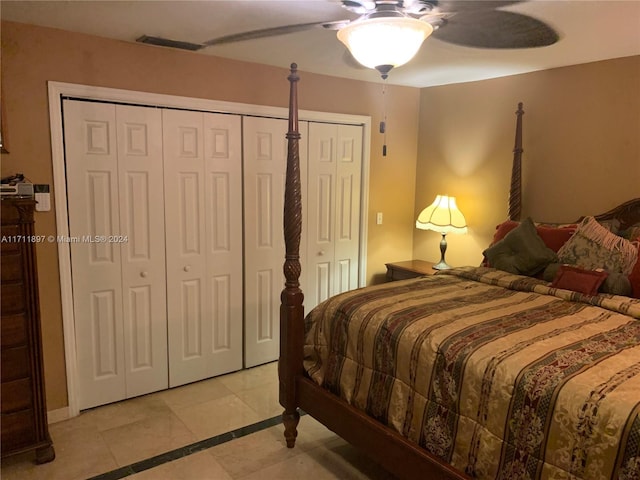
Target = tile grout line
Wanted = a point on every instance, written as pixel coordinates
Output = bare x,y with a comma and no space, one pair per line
187,450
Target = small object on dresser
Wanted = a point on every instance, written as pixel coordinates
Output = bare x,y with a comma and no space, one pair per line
409,269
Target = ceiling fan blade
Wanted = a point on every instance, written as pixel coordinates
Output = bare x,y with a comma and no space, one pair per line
496,29
273,31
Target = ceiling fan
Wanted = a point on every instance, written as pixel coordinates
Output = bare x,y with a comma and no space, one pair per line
470,23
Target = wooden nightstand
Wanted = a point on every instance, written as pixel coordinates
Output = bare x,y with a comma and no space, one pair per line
409,269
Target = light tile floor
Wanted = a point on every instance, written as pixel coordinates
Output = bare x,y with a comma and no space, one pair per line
106,438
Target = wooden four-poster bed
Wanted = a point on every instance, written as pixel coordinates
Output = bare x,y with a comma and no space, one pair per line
508,374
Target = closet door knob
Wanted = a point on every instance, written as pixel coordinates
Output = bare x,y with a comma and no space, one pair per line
186,268
321,252
143,274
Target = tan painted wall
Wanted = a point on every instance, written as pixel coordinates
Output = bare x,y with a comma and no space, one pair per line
31,56
581,149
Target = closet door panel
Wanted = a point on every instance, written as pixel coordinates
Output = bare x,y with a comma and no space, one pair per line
92,190
333,210
323,139
347,207
223,204
141,204
265,162
265,157
202,155
183,146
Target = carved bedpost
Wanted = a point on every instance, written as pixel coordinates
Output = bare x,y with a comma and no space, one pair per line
291,308
515,192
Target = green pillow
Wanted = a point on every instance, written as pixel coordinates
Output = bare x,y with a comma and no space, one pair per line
521,251
617,284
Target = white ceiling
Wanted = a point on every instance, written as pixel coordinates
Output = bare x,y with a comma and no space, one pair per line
590,30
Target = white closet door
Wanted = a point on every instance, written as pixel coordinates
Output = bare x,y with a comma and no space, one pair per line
202,165
223,229
347,208
113,164
265,162
142,246
333,210
92,190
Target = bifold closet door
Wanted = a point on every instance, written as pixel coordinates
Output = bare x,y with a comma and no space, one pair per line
203,213
333,210
116,224
265,163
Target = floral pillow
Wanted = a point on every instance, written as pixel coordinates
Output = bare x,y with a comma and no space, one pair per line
592,247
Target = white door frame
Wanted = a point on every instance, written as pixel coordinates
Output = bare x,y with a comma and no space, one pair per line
57,90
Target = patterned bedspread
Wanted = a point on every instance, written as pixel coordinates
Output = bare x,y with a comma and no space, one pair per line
498,374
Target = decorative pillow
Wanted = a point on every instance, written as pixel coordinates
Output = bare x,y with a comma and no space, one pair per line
579,280
521,251
553,236
631,233
617,284
593,247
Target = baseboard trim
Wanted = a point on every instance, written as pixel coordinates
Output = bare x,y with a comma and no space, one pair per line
55,416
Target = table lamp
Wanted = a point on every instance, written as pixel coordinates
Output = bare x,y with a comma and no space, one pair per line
442,216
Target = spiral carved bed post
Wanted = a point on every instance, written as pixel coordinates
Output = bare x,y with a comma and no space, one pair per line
515,192
291,308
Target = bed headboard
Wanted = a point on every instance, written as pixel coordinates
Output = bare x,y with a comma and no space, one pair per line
627,214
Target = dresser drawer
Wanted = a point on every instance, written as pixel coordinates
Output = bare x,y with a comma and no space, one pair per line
16,395
14,330
13,301
18,430
11,268
15,364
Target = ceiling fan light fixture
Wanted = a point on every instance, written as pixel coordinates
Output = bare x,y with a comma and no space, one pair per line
384,40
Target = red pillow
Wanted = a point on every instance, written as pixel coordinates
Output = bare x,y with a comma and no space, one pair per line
553,237
503,229
578,279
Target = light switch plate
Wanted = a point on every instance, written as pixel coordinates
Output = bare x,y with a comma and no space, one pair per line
42,197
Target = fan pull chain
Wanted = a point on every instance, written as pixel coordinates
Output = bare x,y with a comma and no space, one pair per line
383,123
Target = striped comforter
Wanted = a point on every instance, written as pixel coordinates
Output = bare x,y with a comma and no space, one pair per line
498,374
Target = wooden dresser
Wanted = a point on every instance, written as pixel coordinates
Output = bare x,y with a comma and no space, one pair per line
23,423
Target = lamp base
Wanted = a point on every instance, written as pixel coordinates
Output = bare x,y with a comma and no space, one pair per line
442,265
